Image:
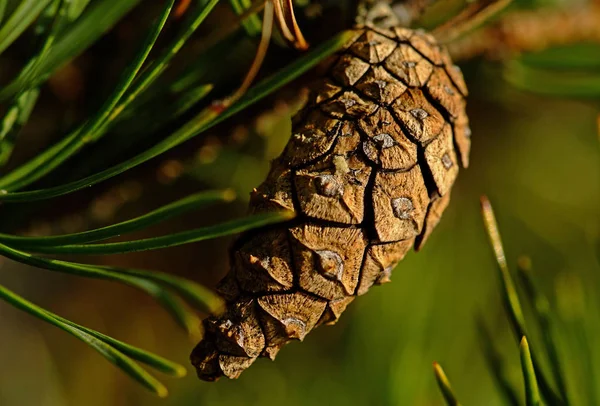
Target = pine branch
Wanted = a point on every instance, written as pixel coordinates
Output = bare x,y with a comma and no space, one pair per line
528,31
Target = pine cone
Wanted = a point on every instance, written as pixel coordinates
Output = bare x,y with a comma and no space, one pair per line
368,170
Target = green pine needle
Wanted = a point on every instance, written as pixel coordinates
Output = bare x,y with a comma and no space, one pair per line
35,162
76,7
47,27
495,364
157,362
194,293
444,385
166,212
111,349
15,118
543,319
510,295
160,114
212,57
184,102
532,396
171,240
136,125
3,4
185,318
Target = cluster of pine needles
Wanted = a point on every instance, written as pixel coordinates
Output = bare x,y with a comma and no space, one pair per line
538,383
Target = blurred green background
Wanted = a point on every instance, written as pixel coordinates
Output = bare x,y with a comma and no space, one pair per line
536,156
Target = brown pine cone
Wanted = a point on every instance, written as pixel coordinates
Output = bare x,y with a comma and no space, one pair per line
368,170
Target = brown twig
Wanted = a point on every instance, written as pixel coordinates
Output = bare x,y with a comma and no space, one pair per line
472,17
528,31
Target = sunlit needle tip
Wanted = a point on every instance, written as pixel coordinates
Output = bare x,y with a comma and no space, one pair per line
229,195
162,392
